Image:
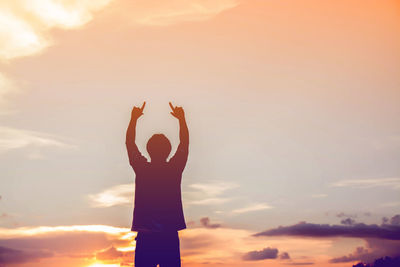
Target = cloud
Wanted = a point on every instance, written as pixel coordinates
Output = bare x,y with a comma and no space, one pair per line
253,207
360,230
164,13
395,220
114,196
25,27
213,189
25,24
284,256
109,254
357,255
210,201
11,138
210,193
382,240
64,14
12,256
369,183
43,230
18,37
374,249
348,221
205,222
266,253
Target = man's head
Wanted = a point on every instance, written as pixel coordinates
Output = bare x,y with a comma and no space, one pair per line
158,147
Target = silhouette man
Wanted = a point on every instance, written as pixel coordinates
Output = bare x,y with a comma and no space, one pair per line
158,213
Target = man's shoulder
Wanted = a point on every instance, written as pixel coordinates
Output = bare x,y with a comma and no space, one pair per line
143,166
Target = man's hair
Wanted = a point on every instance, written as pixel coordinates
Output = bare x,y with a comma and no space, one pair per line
158,147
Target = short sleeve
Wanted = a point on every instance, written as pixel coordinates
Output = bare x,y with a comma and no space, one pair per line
136,159
180,157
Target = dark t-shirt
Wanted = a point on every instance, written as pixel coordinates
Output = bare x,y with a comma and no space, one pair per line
158,202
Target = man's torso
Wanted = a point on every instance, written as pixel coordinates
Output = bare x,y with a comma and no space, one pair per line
158,204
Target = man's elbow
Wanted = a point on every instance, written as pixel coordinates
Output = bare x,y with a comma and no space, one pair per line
129,143
184,142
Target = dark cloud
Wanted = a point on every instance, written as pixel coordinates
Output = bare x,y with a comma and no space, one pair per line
348,221
360,252
381,240
10,255
375,248
360,230
284,256
109,254
205,222
395,220
266,253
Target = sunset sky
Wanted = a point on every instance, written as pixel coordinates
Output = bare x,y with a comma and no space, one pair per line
293,109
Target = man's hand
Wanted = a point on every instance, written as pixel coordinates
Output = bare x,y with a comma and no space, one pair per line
137,112
177,112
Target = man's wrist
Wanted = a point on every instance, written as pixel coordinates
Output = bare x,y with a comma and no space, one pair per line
134,119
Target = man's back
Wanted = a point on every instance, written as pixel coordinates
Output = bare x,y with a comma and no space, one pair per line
158,204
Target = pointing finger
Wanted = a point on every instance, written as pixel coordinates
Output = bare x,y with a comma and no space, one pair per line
144,104
172,107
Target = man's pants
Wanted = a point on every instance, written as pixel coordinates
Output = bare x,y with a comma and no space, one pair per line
154,248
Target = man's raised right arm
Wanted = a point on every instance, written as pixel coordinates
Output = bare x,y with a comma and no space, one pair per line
133,151
182,152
